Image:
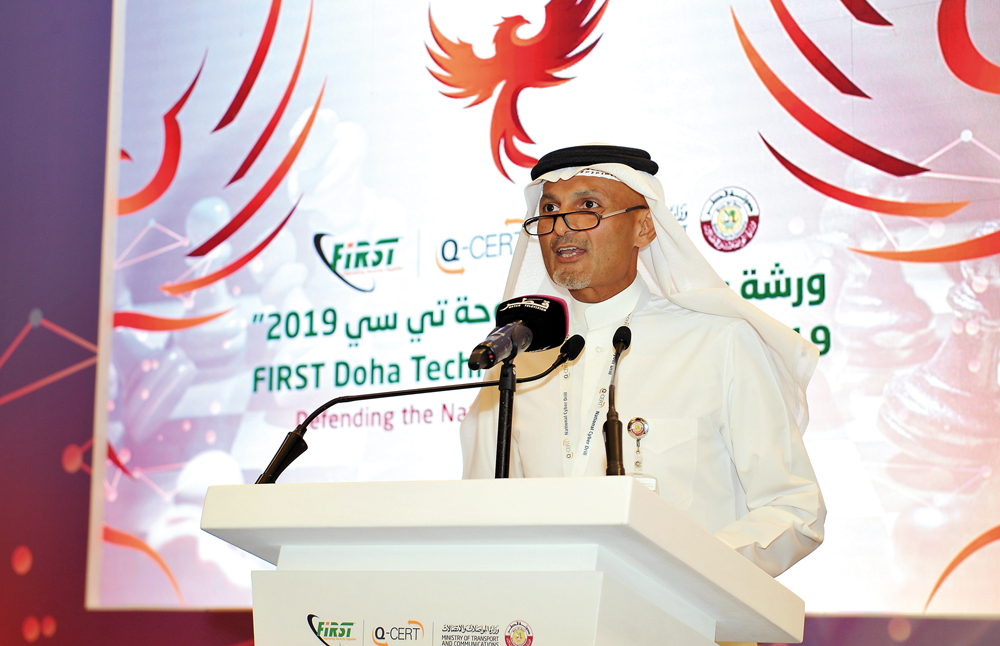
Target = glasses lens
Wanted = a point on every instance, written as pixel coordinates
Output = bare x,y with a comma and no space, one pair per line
582,220
539,226
577,221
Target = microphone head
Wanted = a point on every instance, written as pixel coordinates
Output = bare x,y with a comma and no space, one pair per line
546,317
623,338
573,347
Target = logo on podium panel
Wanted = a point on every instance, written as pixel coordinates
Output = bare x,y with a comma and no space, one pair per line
518,634
333,632
413,631
470,635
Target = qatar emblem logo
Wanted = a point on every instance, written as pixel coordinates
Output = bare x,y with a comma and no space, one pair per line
518,63
729,219
518,634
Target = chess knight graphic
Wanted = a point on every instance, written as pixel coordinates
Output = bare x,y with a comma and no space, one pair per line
518,63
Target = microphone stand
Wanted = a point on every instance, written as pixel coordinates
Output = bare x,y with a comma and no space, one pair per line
613,438
505,417
613,425
295,445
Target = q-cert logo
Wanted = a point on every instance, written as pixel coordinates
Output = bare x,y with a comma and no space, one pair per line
333,632
413,631
454,255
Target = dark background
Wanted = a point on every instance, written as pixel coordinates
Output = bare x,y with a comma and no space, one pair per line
54,66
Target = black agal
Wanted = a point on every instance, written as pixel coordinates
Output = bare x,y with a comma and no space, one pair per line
594,154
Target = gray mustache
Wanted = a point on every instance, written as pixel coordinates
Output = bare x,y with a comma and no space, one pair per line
569,240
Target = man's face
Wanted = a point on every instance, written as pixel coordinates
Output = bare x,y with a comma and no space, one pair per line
599,263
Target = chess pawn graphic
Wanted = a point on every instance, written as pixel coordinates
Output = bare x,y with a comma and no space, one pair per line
146,381
882,325
218,342
326,179
944,413
157,386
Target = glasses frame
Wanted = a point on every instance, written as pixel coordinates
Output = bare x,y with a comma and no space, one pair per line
539,218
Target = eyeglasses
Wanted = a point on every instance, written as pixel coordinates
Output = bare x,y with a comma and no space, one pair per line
543,225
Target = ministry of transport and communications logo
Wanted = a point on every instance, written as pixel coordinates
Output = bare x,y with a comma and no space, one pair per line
729,219
518,634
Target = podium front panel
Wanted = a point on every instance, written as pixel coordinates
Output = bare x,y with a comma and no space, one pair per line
458,609
497,529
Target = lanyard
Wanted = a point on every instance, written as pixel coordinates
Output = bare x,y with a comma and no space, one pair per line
575,461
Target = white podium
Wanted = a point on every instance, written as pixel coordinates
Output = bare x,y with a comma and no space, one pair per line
546,561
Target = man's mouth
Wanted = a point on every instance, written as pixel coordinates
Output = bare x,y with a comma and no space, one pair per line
568,249
569,252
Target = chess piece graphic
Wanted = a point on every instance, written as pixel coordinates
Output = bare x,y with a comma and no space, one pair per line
218,342
945,412
881,324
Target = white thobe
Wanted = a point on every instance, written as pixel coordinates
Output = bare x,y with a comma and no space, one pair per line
722,444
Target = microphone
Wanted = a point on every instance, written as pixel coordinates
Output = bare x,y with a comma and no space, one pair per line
503,342
573,347
613,426
295,445
528,323
622,339
568,352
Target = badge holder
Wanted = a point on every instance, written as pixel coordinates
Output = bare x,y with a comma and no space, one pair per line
638,428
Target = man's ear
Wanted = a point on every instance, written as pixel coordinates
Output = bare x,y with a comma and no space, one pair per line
647,231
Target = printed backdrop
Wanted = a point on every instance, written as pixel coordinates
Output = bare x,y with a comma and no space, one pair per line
318,199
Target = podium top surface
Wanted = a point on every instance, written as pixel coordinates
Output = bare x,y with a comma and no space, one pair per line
617,514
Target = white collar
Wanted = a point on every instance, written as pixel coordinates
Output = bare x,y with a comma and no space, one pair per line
610,311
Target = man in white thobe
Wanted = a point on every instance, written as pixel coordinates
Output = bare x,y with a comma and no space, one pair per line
719,384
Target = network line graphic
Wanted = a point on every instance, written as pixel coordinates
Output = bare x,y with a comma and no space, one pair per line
73,455
177,241
963,60
936,230
73,462
152,225
35,321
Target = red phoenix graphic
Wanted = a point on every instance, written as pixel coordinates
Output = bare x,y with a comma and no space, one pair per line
518,63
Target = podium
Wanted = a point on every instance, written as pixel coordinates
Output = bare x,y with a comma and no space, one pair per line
516,562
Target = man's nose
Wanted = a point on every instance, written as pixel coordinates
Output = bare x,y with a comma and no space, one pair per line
559,226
